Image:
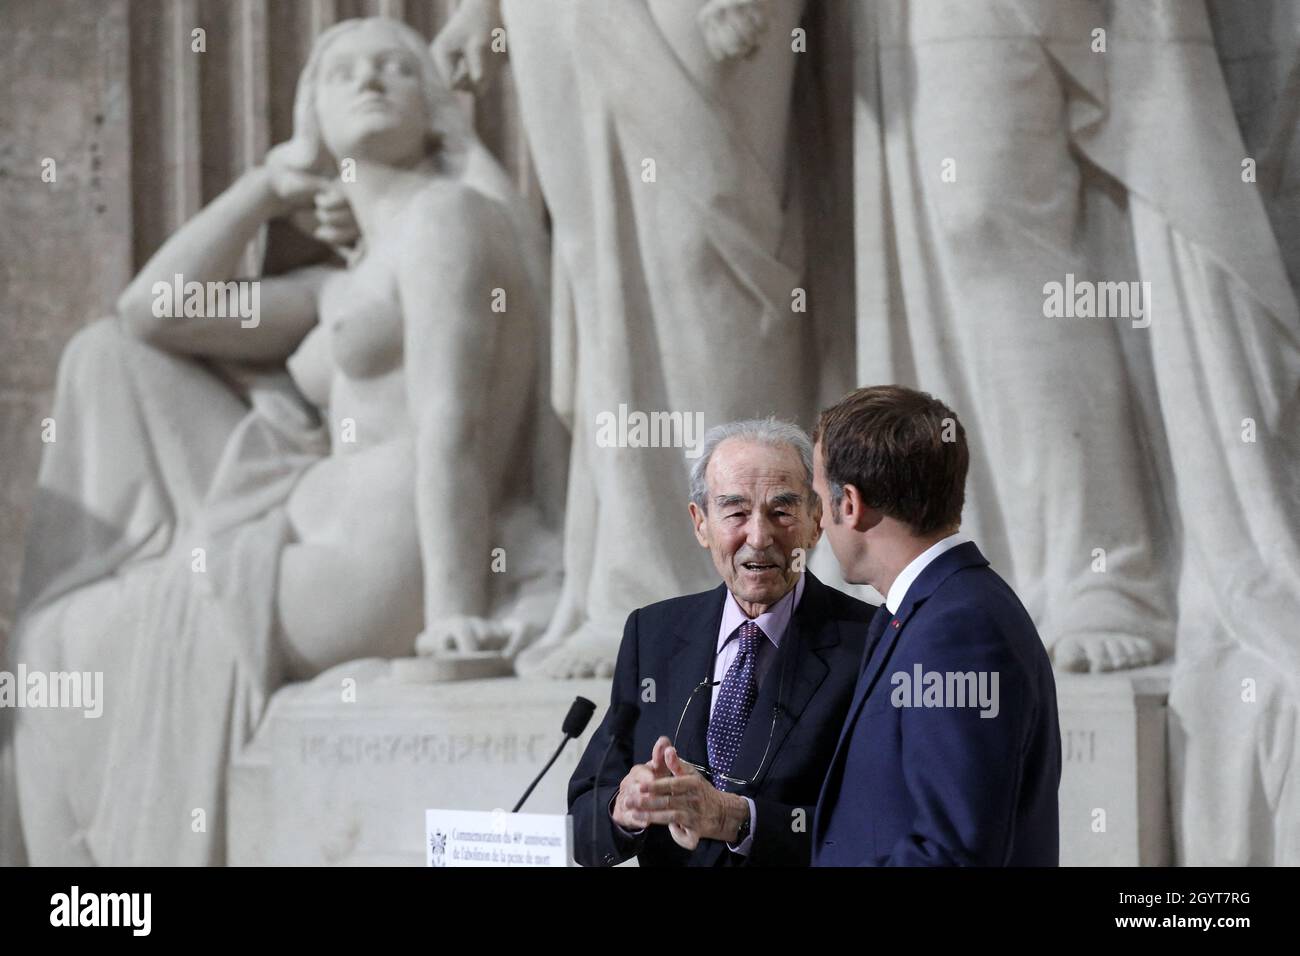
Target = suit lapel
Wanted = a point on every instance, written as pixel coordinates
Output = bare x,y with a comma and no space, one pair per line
880,652
801,659
935,573
881,649
875,636
691,662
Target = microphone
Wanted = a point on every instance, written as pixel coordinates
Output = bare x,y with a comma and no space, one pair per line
579,715
621,722
575,722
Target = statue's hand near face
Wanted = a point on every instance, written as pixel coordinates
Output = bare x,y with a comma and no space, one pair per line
294,187
333,221
314,204
463,48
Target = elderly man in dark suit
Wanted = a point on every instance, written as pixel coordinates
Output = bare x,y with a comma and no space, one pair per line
741,690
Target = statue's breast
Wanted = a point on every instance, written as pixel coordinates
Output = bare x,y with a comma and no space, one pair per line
363,319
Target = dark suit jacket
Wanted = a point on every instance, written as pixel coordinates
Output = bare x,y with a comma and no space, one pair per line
943,786
673,644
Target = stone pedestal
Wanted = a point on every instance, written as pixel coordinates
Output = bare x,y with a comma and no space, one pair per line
1114,773
332,781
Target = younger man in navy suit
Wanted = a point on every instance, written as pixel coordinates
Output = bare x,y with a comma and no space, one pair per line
951,752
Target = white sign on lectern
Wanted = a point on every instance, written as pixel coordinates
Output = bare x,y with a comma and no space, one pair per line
497,838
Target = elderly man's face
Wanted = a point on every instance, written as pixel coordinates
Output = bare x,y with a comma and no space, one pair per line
761,511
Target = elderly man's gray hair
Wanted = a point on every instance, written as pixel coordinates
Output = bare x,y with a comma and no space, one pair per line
764,431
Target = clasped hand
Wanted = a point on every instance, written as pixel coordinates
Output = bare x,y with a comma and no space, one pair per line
667,791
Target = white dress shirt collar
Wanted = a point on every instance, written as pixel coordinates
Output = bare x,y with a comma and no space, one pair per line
907,577
773,622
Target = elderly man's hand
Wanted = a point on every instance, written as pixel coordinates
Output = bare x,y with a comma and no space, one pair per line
686,802
627,806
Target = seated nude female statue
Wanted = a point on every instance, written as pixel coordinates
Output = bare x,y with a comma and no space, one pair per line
205,534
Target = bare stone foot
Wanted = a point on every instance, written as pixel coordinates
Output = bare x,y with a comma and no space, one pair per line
587,652
1096,653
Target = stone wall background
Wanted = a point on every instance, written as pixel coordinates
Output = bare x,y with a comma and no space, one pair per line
144,132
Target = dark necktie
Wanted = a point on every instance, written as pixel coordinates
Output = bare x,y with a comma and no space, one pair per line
735,701
874,629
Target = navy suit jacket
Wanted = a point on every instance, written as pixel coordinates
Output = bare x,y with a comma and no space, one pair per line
673,643
942,785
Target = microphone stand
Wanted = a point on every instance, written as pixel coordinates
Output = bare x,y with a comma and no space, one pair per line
536,780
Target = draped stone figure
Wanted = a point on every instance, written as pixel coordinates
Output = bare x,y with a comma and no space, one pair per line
1136,472
660,135
233,502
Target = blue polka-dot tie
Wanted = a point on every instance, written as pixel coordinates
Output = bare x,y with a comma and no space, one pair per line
735,701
